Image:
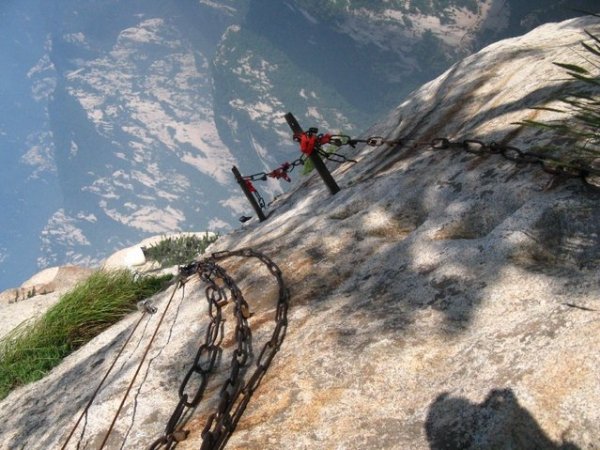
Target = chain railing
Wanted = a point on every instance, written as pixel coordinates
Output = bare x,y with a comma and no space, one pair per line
570,168
311,145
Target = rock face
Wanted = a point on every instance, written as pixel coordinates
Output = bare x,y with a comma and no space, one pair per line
37,294
45,282
440,300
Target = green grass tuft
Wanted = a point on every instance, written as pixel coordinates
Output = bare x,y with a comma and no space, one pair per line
34,348
580,126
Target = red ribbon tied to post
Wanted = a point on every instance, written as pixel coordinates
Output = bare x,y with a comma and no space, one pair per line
309,141
281,172
249,185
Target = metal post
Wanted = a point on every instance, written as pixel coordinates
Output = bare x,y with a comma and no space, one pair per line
249,196
324,172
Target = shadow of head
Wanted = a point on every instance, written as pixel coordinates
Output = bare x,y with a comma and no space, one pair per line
499,422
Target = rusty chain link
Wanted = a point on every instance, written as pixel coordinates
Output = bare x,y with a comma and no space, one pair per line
575,168
234,394
335,157
285,168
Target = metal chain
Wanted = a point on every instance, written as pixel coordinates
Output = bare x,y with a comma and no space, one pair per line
260,200
374,141
234,393
575,168
279,173
285,168
335,157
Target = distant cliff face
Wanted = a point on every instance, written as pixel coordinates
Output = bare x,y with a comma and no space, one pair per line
124,117
440,300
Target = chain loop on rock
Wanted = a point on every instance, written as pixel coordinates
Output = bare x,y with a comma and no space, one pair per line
235,393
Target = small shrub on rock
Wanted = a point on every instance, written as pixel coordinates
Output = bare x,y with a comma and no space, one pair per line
173,251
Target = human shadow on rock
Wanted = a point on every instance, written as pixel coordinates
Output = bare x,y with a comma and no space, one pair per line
499,422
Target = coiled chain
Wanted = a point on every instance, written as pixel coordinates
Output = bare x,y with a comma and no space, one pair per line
235,393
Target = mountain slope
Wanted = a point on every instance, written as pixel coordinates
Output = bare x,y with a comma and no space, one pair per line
122,119
440,299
